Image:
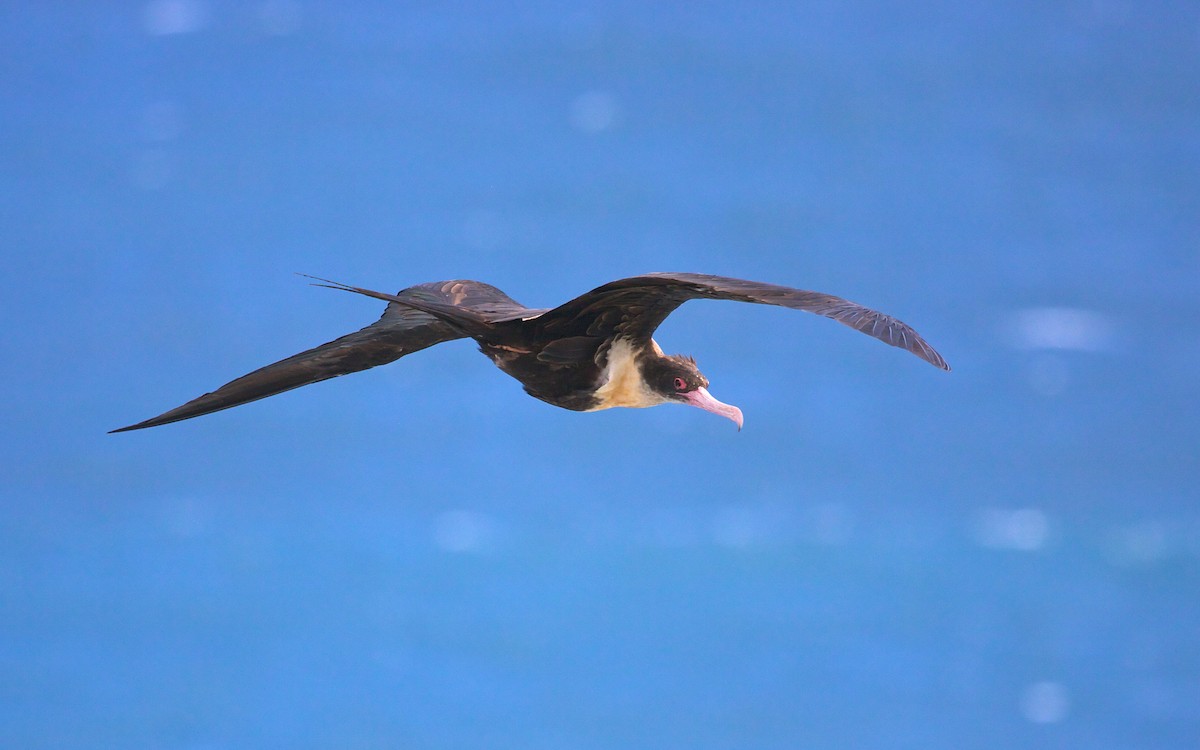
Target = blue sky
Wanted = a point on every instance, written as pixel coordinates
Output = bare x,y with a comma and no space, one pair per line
422,555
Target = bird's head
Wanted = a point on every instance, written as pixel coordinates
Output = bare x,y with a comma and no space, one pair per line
678,379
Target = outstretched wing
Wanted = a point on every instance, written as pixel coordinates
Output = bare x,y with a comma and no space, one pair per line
633,308
484,300
402,330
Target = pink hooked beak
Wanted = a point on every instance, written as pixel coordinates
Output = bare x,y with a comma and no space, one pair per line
703,399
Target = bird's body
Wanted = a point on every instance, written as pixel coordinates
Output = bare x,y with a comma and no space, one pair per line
591,353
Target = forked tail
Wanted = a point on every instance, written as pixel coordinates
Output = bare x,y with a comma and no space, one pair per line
467,321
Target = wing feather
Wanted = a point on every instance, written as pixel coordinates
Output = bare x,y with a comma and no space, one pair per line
636,306
401,330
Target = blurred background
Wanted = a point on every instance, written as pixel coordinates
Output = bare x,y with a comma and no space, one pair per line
422,556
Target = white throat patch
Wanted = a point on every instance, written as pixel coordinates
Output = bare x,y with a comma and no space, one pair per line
623,384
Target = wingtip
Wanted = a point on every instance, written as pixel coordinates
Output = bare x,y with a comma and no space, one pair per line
138,426
926,352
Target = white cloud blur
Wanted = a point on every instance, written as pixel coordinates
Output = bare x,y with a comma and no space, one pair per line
1021,529
165,17
1064,328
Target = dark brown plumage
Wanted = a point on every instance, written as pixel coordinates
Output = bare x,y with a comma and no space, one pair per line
593,352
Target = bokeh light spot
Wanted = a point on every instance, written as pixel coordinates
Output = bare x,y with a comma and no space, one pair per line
1045,703
1066,328
165,17
1023,529
594,112
462,531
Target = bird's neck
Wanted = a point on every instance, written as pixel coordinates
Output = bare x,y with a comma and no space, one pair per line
622,383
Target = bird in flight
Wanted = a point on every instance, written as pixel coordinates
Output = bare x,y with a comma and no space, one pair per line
594,352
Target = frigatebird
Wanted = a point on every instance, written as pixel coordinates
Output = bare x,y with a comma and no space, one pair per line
594,352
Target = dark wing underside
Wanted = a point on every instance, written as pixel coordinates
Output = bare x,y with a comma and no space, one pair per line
402,330
633,308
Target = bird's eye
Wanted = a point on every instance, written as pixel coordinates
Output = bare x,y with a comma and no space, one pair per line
680,385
